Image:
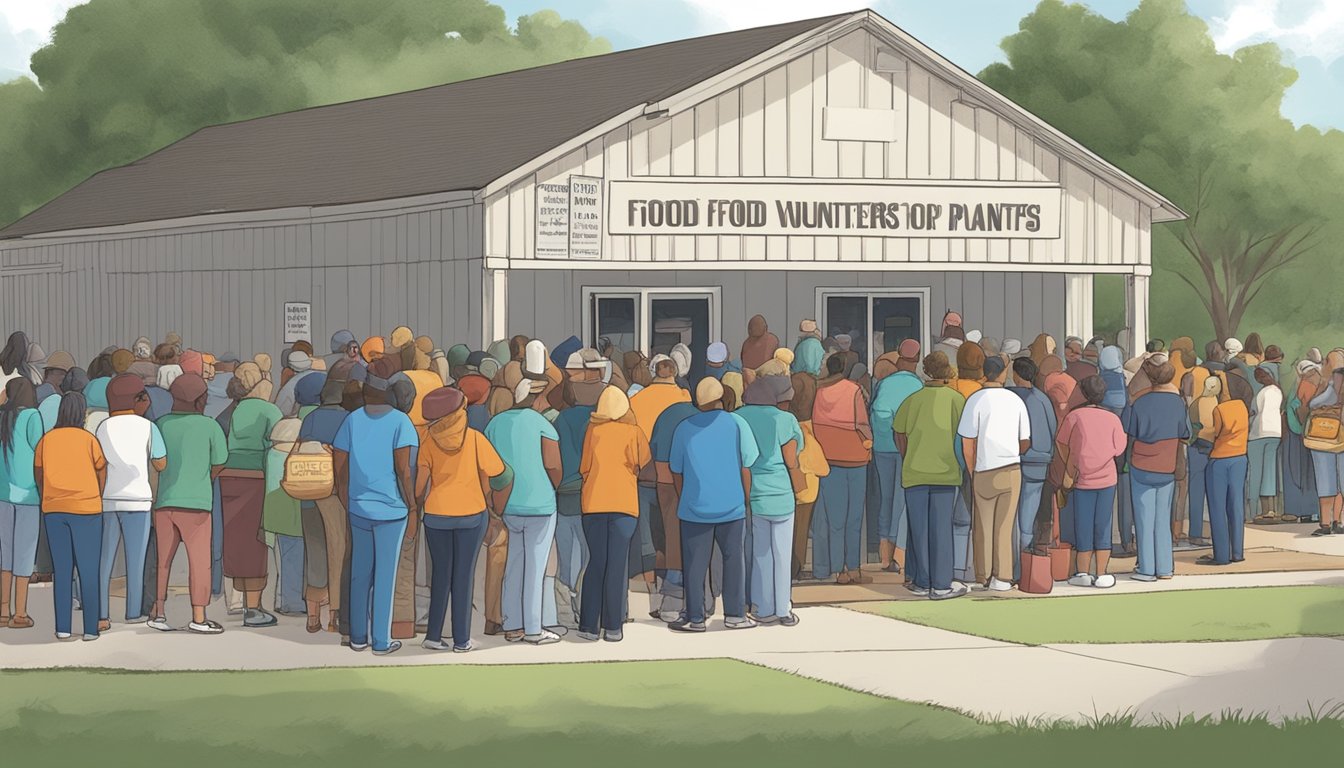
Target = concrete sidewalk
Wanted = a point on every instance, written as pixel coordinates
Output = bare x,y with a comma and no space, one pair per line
984,678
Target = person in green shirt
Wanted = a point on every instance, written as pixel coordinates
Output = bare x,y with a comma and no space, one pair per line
196,450
926,431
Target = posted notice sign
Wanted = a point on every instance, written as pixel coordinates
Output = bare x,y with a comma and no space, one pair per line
569,219
298,321
741,207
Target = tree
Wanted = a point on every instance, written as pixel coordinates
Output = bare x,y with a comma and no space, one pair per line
1153,95
122,78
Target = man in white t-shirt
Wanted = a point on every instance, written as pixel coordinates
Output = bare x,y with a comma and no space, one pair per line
132,444
995,431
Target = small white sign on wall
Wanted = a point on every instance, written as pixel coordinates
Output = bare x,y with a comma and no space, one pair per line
585,217
298,321
552,221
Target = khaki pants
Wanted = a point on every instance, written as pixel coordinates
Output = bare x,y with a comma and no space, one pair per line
334,524
992,518
496,555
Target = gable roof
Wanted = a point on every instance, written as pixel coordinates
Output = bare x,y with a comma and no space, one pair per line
459,136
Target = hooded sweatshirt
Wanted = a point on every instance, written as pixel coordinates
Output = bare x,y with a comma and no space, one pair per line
455,457
1111,364
840,420
760,344
970,369
613,453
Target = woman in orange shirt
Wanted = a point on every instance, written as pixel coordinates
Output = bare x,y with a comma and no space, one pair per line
1225,481
71,472
459,478
614,451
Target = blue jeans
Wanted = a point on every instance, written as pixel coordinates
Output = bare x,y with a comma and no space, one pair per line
961,533
289,586
1226,481
771,556
375,547
19,526
891,524
930,511
1091,509
454,544
132,528
1198,463
571,546
821,539
522,602
1263,479
1124,511
1153,494
844,489
76,544
604,582
697,547
1028,505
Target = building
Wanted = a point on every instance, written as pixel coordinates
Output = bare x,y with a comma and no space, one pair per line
834,168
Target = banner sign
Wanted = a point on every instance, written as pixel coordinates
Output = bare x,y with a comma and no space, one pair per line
728,207
569,219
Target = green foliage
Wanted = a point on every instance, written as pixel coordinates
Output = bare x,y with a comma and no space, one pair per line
122,78
1152,95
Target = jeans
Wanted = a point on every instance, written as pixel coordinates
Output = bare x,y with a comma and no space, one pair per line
1028,506
375,546
1124,511
1092,509
530,539
216,544
1153,493
843,490
604,582
19,527
289,585
961,532
891,524
76,544
771,552
1263,480
697,545
1226,481
821,539
930,511
132,528
571,547
1198,465
454,544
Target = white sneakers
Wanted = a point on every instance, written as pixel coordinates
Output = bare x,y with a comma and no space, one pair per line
546,637
958,589
1104,581
999,586
1081,580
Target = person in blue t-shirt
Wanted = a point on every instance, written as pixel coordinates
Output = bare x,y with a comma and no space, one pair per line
712,452
672,604
894,380
1036,461
372,458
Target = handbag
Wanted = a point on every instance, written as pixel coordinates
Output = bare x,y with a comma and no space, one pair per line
1037,576
1324,432
308,476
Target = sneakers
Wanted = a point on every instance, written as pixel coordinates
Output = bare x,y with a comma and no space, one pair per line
613,635
435,645
137,620
64,637
765,621
738,622
591,637
976,586
999,586
91,638
358,647
957,590
1337,528
1323,530
160,623
1104,581
682,625
559,629
547,637
789,621
1136,576
206,627
258,617
1081,580
468,648
918,591
391,648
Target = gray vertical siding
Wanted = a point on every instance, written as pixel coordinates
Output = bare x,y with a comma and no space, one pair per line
223,289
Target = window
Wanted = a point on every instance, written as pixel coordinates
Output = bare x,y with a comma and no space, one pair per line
614,318
875,321
653,320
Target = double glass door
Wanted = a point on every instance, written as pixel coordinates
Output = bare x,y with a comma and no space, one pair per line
875,321
653,320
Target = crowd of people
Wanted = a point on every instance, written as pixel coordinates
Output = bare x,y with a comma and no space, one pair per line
371,478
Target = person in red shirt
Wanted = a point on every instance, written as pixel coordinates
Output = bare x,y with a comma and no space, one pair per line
1090,439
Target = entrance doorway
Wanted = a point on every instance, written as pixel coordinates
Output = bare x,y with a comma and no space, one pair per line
875,321
653,320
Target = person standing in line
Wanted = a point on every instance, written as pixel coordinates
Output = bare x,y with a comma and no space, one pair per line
1074,357
1226,481
894,380
1157,424
1090,440
320,426
371,455
774,475
247,423
131,444
840,420
760,345
673,589
806,367
20,510
614,452
71,472
1036,461
717,361
579,394
712,452
995,432
529,444
1265,435
926,426
282,520
461,480
196,450
1200,412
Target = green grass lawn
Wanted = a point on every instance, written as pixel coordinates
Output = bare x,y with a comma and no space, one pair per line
1189,616
633,714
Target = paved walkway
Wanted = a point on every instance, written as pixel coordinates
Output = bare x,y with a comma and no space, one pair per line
982,677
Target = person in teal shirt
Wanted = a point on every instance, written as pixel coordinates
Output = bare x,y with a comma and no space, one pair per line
894,380
20,512
779,440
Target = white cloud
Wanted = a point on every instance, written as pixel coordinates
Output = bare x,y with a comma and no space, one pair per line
721,15
25,26
1316,28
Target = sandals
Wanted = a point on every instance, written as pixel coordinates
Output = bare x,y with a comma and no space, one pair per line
20,622
1268,519
1323,530
314,625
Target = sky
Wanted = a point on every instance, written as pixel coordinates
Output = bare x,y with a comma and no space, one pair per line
966,31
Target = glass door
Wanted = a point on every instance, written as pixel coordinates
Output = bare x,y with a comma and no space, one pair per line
875,321
614,321
683,319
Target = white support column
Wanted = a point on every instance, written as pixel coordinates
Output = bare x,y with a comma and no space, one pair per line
1136,308
1078,306
495,318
